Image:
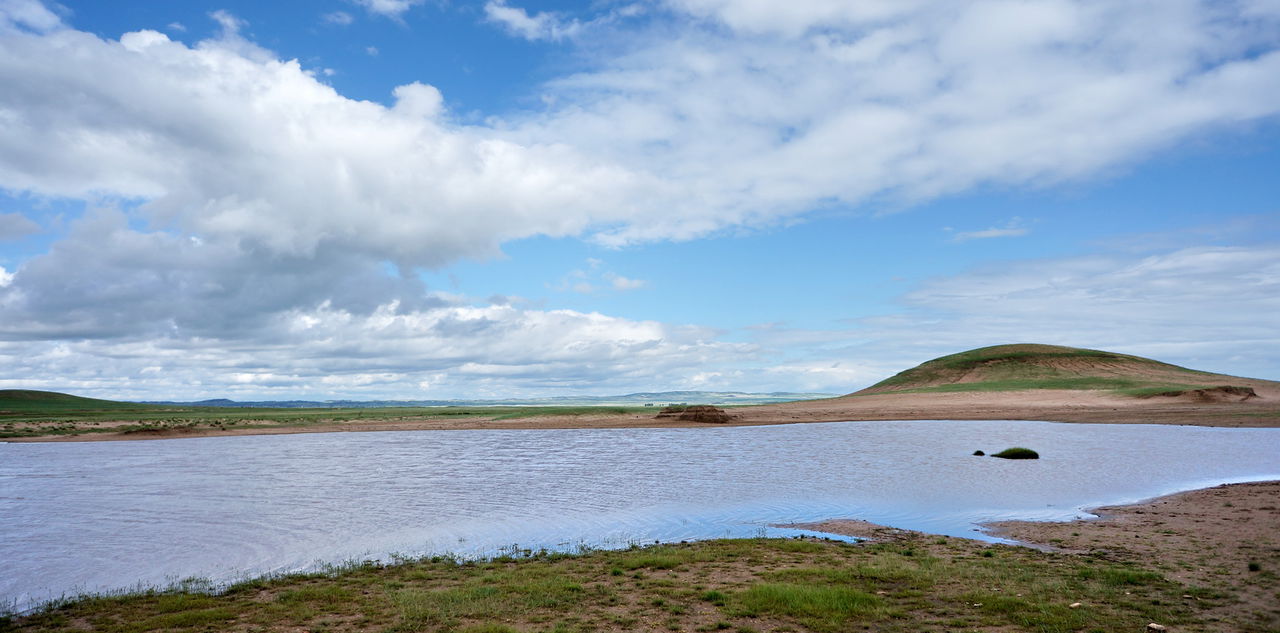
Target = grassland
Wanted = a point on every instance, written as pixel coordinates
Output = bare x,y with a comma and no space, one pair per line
49,414
1005,382
1027,366
923,583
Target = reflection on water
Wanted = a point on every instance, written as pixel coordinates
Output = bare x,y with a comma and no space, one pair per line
97,516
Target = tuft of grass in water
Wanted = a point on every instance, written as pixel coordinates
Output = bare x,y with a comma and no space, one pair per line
1017,452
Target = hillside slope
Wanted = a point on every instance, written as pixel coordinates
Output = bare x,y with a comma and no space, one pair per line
28,401
1029,366
1045,382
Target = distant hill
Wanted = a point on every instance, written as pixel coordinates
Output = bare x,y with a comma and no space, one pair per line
27,401
658,398
21,401
1030,366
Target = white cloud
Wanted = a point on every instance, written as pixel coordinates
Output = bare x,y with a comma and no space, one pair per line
31,14
339,18
623,283
1207,307
16,225
388,8
1012,228
253,198
593,277
539,26
399,183
6,277
687,131
457,350
798,105
230,24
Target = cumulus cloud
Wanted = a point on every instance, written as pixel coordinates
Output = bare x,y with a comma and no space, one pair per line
446,351
31,14
743,117
222,142
242,196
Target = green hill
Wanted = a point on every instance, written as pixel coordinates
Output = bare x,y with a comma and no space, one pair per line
28,402
1030,366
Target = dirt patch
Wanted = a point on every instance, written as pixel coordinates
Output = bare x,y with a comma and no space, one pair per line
700,413
1222,542
1218,539
858,528
1211,394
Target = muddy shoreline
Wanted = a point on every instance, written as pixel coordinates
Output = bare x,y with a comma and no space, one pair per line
1221,538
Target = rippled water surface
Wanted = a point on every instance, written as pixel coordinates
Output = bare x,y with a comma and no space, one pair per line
98,516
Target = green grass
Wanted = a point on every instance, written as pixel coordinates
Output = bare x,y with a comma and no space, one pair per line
820,607
742,585
42,413
1113,384
1025,366
24,401
513,413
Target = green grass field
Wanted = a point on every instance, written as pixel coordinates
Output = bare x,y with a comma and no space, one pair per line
41,413
1026,366
925,584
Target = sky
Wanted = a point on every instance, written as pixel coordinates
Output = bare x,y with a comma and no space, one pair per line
412,199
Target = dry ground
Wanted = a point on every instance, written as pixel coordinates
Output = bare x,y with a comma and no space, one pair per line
1222,541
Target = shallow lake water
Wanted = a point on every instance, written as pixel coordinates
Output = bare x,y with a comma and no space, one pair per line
104,516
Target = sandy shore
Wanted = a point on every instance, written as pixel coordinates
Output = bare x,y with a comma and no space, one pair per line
1226,537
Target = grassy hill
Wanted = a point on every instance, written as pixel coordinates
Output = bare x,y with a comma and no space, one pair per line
1030,366
30,402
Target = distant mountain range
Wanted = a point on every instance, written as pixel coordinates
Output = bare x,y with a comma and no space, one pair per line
659,398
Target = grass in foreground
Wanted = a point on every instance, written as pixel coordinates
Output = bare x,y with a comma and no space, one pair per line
925,583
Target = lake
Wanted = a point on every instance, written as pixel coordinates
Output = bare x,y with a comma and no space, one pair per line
103,516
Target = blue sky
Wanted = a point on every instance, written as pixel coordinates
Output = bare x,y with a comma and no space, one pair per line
409,199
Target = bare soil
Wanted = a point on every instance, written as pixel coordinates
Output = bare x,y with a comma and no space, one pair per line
1222,541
